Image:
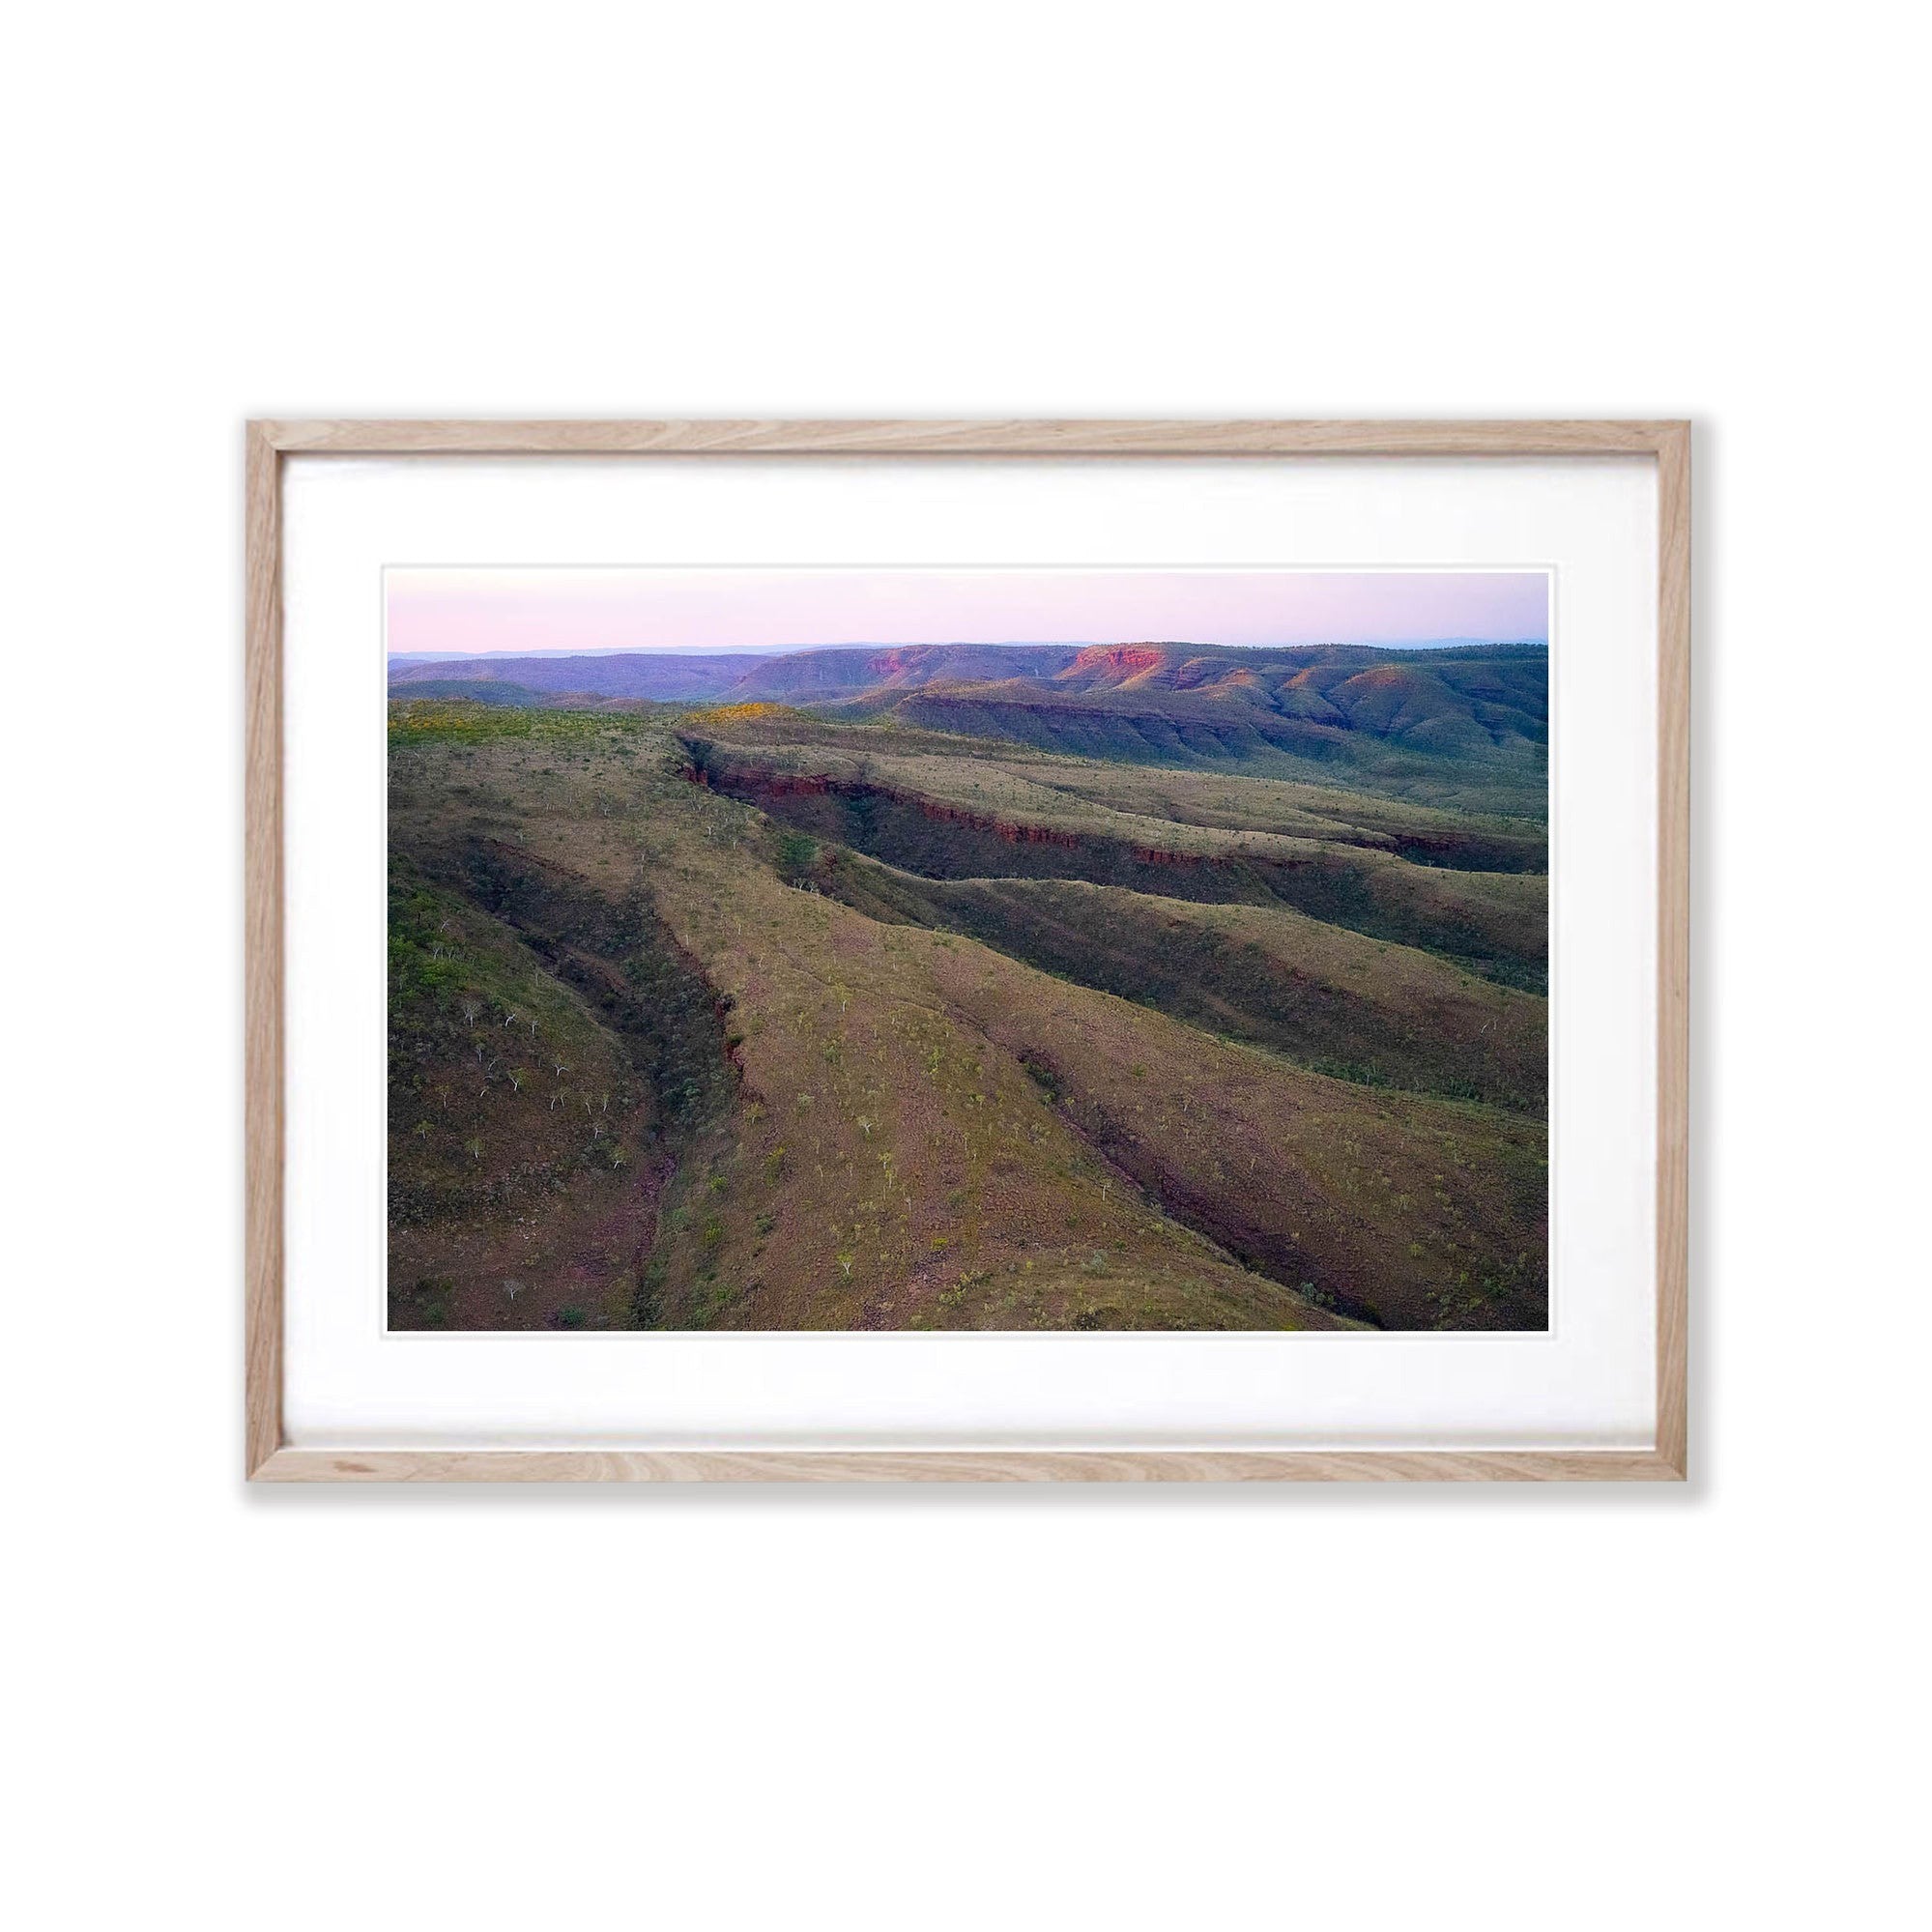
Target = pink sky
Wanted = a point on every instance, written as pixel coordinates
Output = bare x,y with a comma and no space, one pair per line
474,611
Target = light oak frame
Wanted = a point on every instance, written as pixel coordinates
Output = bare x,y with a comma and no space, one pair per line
270,1458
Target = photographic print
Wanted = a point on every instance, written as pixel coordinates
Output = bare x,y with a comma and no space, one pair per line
1001,949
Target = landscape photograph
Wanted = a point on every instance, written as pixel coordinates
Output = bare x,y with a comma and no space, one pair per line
1003,949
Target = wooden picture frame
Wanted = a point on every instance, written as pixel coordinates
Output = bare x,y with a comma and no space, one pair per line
268,1457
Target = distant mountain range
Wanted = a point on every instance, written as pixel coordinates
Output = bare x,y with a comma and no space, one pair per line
1391,713
669,676
739,650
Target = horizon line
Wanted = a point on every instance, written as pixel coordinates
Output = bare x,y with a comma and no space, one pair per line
460,652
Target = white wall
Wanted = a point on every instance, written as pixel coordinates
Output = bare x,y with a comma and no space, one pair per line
1336,1708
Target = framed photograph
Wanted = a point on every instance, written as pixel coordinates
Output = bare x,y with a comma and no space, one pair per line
958,951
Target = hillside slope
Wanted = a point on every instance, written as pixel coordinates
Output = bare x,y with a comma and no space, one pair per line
824,1115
